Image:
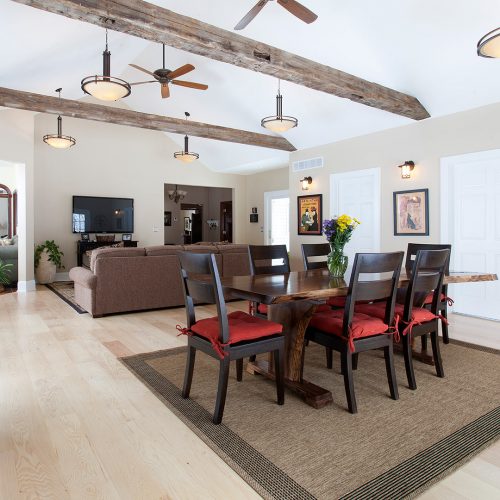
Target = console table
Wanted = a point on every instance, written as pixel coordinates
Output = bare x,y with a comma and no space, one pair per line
82,246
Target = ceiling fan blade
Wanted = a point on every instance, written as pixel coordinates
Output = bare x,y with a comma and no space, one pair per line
165,91
142,69
250,15
191,85
298,10
140,83
180,71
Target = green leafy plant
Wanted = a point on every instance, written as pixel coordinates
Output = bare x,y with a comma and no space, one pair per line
53,251
4,272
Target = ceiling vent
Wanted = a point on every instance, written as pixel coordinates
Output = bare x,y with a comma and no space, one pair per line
301,165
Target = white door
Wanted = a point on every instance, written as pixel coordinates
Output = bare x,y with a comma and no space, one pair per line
277,218
357,194
470,187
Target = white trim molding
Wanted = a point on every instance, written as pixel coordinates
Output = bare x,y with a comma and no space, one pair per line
26,286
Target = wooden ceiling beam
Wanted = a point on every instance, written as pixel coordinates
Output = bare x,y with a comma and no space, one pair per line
79,109
157,24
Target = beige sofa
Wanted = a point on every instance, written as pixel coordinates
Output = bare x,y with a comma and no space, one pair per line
134,279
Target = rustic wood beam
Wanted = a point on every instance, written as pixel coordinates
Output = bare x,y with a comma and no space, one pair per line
87,111
157,24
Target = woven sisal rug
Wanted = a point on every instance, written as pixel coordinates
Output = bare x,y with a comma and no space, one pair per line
390,449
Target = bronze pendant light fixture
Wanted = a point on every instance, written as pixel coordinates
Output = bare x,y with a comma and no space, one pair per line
106,87
279,123
186,156
59,140
489,45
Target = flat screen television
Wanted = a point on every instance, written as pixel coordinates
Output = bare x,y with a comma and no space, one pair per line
93,214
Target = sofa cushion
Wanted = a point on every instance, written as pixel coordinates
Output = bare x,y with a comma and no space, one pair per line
201,248
232,248
158,250
105,252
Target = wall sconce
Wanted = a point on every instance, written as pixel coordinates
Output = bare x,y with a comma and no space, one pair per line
406,169
306,181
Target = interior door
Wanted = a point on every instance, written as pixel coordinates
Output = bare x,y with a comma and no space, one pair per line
196,228
277,218
226,217
357,194
472,191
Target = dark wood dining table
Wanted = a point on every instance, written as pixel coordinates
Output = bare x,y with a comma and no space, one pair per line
292,299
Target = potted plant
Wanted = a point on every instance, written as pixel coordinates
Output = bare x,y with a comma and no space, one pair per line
4,274
48,257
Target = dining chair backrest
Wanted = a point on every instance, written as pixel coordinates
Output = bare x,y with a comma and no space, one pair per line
309,251
262,256
413,248
427,275
374,277
202,284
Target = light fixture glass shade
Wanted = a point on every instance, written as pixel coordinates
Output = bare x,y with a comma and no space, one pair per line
59,141
406,169
279,124
489,45
106,88
186,157
306,181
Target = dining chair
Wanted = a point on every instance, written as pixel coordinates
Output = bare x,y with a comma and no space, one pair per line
225,337
427,275
374,277
444,300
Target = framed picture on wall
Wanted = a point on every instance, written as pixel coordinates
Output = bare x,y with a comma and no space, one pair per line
167,218
187,224
310,215
127,237
411,212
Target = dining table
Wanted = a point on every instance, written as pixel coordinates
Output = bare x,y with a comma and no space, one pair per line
292,299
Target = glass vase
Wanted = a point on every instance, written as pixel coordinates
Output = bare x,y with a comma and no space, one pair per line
337,262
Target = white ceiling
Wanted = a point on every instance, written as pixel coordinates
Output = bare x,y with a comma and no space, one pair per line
425,48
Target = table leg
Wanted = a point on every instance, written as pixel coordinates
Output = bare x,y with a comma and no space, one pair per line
295,317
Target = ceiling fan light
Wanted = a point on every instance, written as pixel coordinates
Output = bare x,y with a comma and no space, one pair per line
106,88
489,45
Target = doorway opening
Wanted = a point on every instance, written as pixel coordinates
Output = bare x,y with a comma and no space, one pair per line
277,218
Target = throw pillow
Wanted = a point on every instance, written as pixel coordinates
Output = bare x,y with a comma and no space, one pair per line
5,242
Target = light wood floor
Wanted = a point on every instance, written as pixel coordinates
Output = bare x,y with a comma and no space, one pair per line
74,423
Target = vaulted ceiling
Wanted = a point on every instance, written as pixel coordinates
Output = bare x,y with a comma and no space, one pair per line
423,48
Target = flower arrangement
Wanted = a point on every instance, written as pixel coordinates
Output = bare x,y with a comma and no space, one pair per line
338,232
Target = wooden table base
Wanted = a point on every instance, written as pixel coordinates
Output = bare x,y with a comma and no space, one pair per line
312,394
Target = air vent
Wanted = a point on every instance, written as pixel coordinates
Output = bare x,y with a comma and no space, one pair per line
301,165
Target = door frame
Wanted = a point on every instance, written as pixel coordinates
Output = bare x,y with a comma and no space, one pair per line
334,191
268,196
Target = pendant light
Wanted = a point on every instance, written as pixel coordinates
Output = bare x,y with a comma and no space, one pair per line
186,156
279,123
489,45
106,87
58,140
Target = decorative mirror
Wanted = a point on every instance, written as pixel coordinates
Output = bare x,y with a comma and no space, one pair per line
5,212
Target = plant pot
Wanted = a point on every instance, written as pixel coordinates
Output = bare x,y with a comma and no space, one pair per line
46,270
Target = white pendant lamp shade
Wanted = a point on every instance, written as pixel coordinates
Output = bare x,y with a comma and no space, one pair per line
489,45
59,140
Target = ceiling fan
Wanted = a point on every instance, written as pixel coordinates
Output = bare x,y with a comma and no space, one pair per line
292,6
165,76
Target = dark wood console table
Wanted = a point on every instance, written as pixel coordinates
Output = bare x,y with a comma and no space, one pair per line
82,246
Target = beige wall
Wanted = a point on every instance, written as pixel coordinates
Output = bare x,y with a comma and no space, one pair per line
424,142
257,185
114,160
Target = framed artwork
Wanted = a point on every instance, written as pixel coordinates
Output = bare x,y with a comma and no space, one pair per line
310,215
411,212
167,218
85,236
127,237
187,224
254,217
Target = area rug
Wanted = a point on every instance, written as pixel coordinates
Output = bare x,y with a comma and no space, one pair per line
66,291
390,449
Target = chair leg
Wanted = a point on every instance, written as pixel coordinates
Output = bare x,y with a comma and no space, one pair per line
355,357
424,342
346,358
252,358
239,370
391,372
444,326
410,374
279,365
188,375
329,357
437,354
221,390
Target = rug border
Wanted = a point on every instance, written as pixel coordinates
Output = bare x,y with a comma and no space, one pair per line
77,308
127,361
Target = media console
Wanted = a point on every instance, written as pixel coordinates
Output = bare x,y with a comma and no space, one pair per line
82,246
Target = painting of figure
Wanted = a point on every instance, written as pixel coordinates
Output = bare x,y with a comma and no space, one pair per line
411,213
309,215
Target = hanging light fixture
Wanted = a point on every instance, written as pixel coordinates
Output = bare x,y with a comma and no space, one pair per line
106,87
489,45
279,123
186,156
59,140
176,194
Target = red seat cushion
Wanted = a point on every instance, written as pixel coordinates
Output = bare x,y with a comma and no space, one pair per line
262,308
362,325
428,299
419,315
336,301
242,327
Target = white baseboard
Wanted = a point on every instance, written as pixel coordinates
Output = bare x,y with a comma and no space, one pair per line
26,286
62,277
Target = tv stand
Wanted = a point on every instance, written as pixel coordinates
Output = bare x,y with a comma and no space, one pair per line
82,246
